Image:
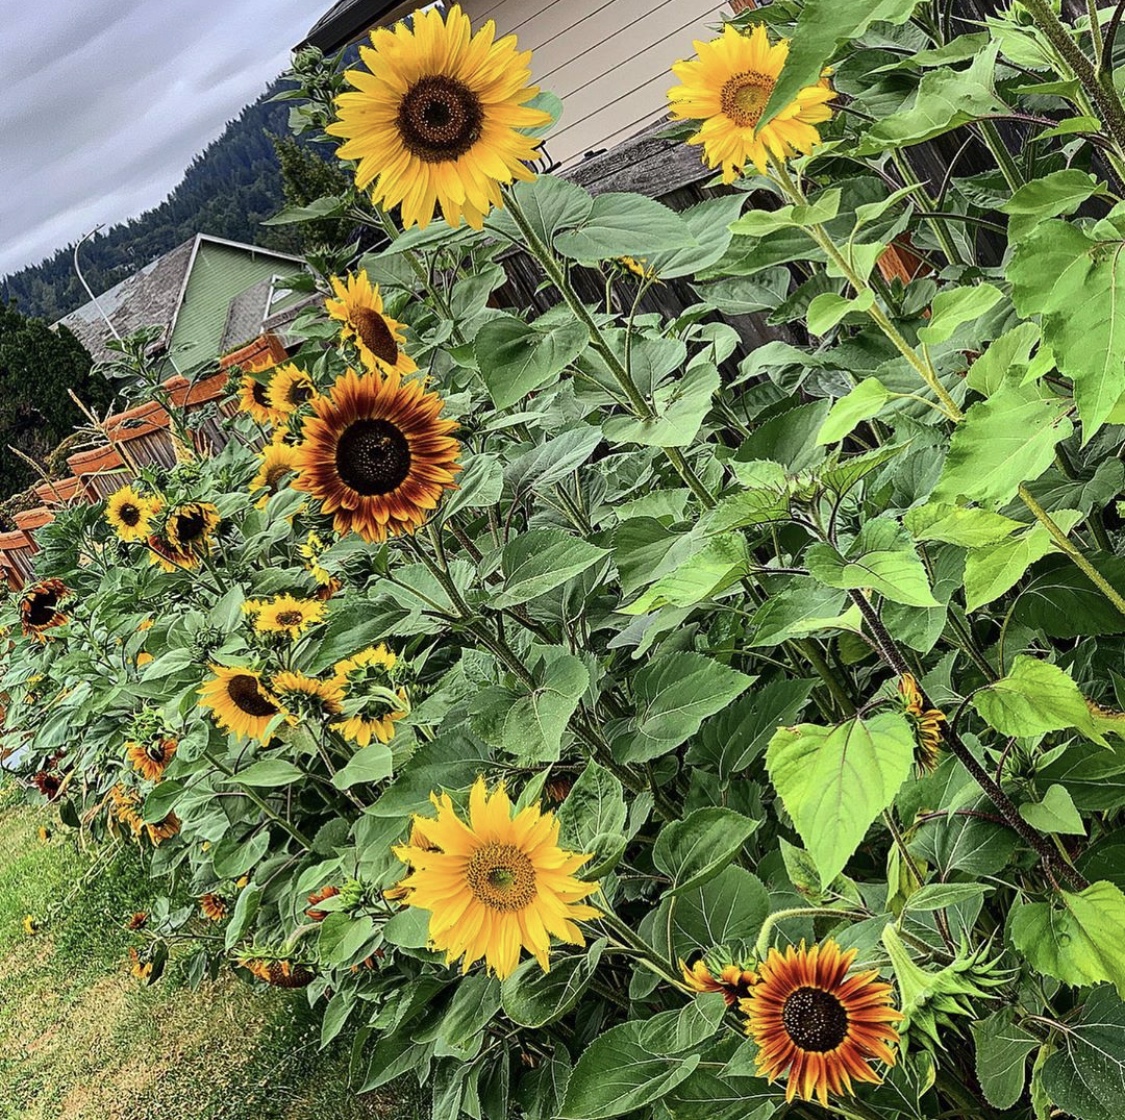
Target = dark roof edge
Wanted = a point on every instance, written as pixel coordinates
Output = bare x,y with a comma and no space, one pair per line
344,22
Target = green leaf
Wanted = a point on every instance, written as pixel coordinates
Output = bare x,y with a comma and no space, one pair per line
1077,938
863,402
515,357
616,1074
625,225
1003,441
709,223
269,772
475,1000
697,848
540,560
369,764
1060,192
680,409
674,694
1063,603
245,911
1055,813
1002,1048
593,818
1008,354
1035,697
826,311
835,781
881,557
548,203
968,526
940,896
1076,283
822,27
721,561
1085,1077
727,910
804,607
946,99
534,998
992,570
954,306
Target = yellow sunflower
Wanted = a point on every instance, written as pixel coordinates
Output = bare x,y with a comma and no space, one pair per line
435,118
149,759
253,397
283,614
141,969
30,925
238,702
311,552
39,608
378,338
377,456
496,883
373,704
129,514
274,463
289,388
728,86
639,268
190,527
306,696
812,1020
926,723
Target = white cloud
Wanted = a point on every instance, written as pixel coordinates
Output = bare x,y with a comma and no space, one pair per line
106,102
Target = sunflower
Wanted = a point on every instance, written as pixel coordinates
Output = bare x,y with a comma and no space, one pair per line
138,921
733,980
313,913
284,614
30,925
150,758
274,463
144,658
436,116
311,552
280,974
728,86
496,883
377,456
289,388
44,833
238,702
125,803
213,906
47,784
639,268
169,558
373,705
813,1021
141,969
163,830
377,337
189,528
39,607
129,514
926,723
306,696
253,397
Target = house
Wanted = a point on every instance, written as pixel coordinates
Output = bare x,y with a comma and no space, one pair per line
608,60
207,296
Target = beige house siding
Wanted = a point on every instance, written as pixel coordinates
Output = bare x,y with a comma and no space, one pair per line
607,59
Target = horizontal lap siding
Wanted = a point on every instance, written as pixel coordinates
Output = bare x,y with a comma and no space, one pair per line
609,60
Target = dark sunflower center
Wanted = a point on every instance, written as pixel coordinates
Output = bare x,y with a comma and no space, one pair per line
375,334
299,392
42,608
290,618
439,119
744,97
502,877
373,457
190,527
276,473
245,694
815,1020
130,514
259,393
156,751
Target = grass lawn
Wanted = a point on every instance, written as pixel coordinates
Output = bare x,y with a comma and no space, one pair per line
81,1039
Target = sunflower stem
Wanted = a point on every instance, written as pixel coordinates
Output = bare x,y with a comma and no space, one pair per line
257,800
762,945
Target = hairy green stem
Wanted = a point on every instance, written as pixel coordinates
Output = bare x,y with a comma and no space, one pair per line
761,946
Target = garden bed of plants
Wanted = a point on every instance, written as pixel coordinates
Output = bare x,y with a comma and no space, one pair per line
597,719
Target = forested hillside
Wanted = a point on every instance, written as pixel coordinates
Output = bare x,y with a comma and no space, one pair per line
227,191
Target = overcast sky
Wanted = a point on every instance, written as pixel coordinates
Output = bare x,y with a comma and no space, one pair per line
105,102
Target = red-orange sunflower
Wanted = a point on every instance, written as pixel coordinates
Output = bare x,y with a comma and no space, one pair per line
816,1023
39,607
377,456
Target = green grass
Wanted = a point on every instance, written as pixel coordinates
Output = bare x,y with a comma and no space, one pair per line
81,1039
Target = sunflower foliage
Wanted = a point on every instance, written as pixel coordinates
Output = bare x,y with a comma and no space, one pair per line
598,715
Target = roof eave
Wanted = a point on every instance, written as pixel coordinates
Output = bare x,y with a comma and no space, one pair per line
344,23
